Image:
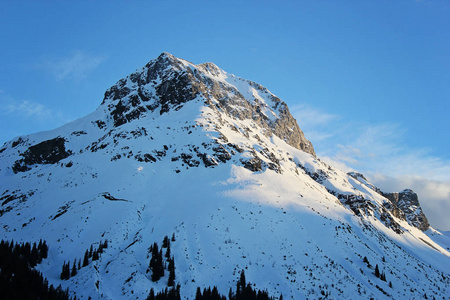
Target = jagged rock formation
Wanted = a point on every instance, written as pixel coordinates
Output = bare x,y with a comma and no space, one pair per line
168,82
404,205
408,202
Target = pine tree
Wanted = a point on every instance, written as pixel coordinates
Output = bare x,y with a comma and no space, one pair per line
173,237
34,256
74,268
65,273
44,250
215,293
383,276
151,294
198,294
241,286
156,263
171,280
91,251
231,295
166,242
366,261
86,258
100,248
377,271
168,251
390,284
95,255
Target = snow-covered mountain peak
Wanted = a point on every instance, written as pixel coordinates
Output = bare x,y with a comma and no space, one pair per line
218,162
168,83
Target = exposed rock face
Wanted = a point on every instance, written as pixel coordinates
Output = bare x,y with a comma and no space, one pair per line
360,177
46,152
408,202
168,82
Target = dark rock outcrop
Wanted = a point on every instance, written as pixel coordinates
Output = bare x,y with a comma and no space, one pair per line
46,152
408,202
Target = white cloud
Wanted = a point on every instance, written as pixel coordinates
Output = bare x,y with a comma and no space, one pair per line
311,117
76,66
29,110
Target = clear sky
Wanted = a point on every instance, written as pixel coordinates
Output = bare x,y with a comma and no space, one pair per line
368,81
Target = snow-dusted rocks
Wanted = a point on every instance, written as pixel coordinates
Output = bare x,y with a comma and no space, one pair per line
218,162
408,202
167,83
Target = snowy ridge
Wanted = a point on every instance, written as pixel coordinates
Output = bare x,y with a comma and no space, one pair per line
190,150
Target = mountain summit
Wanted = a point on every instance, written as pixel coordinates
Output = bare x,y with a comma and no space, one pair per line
167,83
217,163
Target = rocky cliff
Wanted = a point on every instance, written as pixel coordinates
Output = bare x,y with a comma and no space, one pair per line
408,202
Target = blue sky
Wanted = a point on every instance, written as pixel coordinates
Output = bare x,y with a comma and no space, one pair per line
368,81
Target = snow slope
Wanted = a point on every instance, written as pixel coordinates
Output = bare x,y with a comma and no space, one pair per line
216,164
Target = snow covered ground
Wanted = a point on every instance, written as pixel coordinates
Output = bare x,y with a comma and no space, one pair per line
189,172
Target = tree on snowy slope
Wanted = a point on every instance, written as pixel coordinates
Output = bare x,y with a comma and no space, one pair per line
156,263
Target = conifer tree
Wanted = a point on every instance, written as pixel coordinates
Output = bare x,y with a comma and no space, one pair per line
44,249
171,280
65,273
168,251
366,261
198,294
151,295
156,263
86,258
377,271
34,256
95,255
383,276
166,242
74,268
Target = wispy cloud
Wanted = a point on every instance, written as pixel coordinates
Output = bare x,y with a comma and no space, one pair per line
28,110
312,117
75,66
314,121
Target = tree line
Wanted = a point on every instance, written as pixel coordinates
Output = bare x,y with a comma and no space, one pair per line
18,279
244,291
69,270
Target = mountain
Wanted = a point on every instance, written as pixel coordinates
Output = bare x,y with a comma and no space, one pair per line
218,163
